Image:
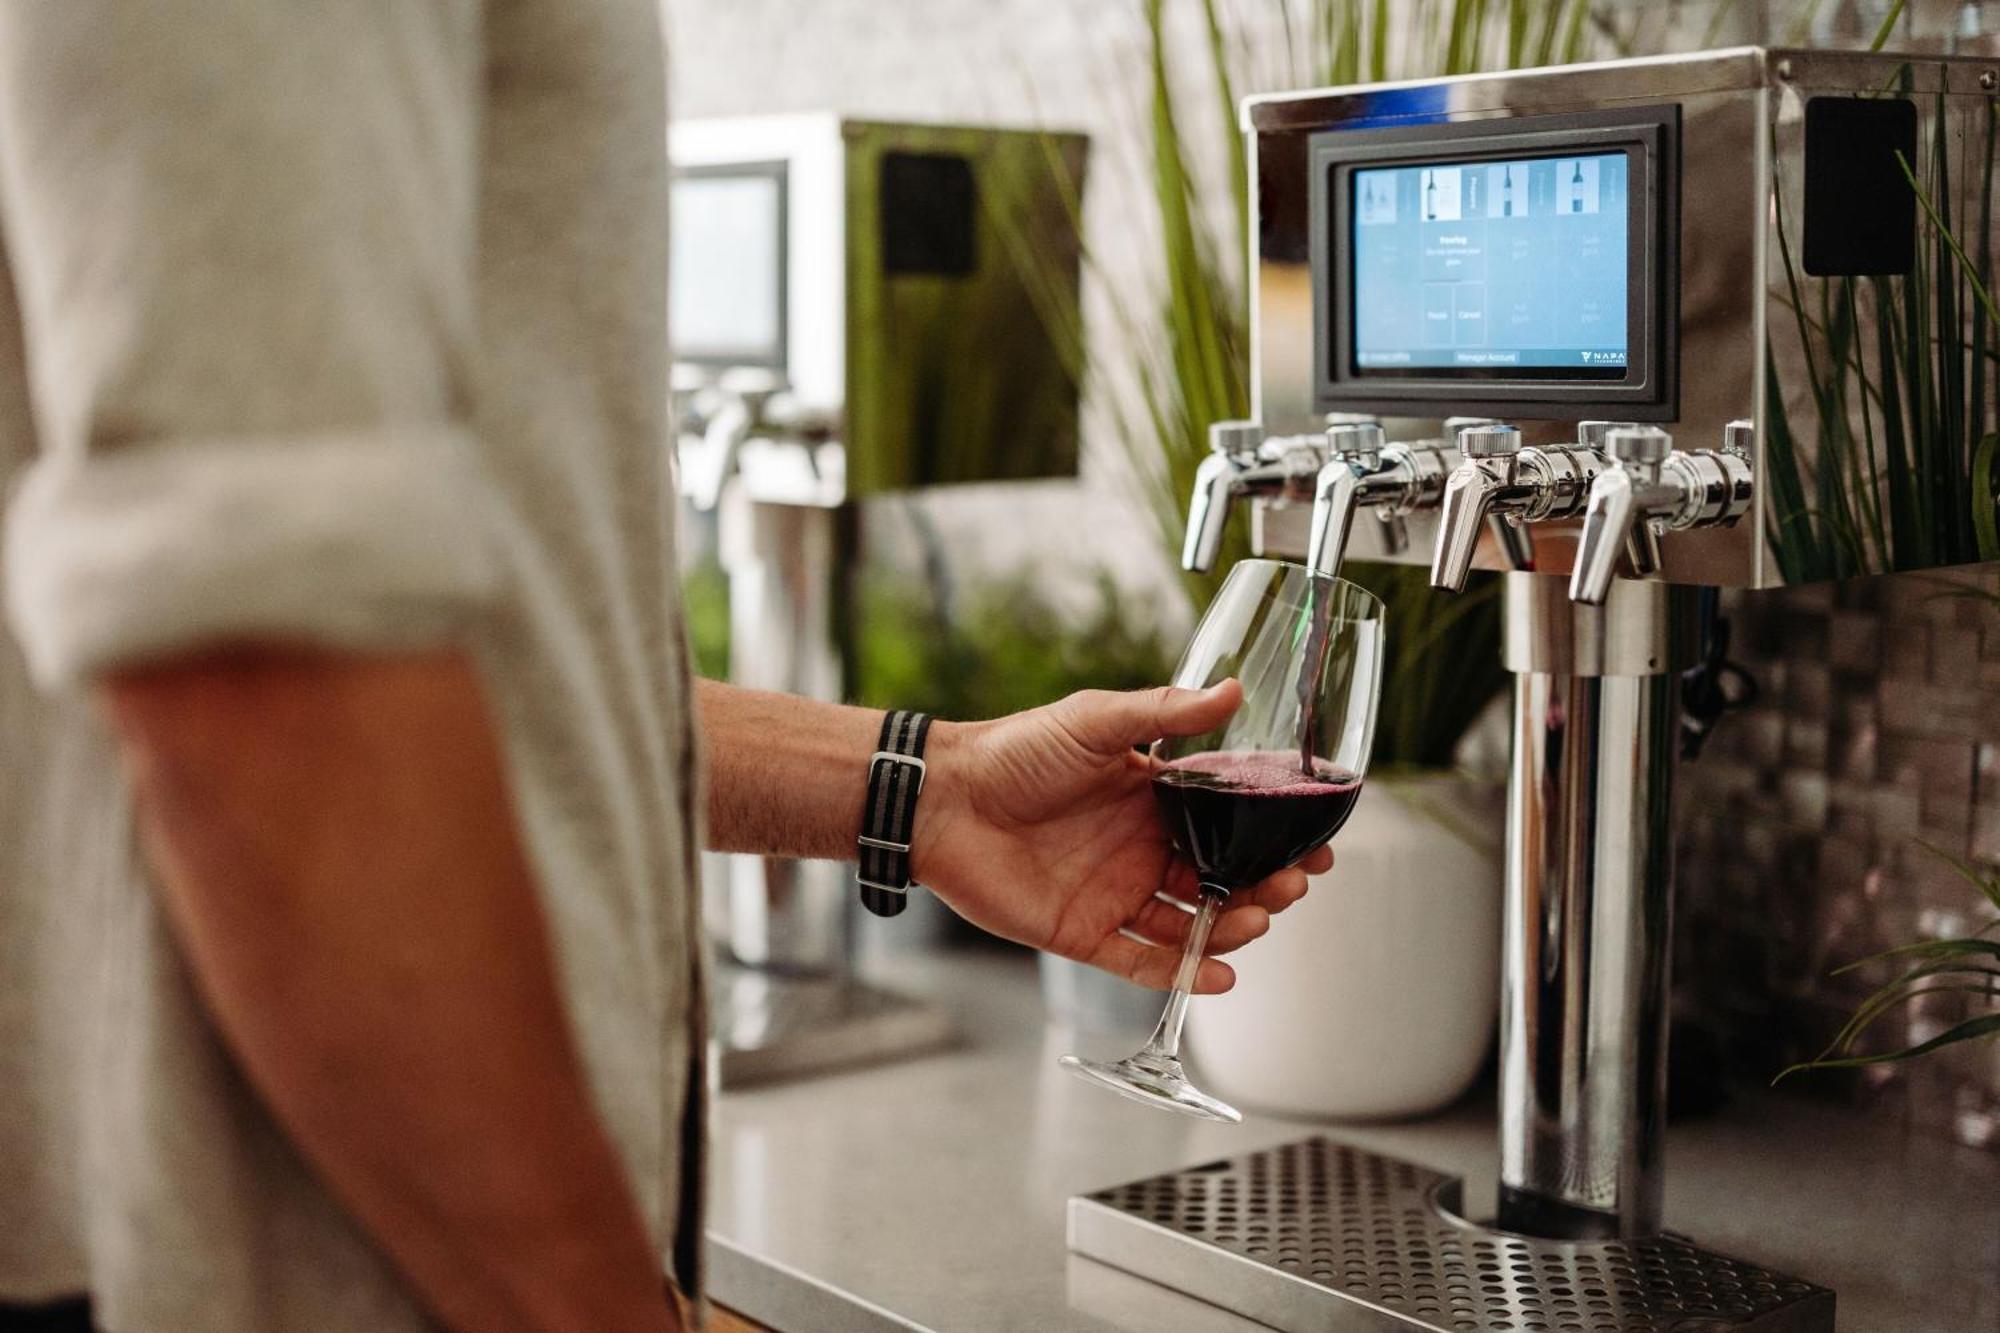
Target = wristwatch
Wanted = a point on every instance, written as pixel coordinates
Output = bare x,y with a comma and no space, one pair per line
895,778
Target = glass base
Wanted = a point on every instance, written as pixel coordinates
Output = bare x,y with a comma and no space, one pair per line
1156,1081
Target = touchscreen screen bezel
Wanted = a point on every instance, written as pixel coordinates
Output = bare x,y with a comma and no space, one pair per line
1645,388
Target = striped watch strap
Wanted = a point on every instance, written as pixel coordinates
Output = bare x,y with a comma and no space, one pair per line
895,776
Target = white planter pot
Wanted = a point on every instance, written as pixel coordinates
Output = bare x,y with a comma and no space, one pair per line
1375,996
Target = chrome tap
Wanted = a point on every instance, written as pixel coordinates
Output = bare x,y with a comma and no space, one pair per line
1363,472
1241,462
1652,487
1642,546
726,415
1503,485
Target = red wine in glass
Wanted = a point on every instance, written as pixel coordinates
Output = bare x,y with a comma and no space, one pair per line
1271,783
1242,815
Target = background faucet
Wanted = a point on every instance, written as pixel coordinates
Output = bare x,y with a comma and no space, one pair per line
724,416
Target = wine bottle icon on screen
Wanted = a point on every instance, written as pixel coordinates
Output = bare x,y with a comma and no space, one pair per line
1507,192
1430,197
1576,189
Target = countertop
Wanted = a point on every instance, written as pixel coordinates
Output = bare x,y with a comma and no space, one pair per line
930,1194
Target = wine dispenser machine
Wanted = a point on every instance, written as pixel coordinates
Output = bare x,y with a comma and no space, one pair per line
1629,332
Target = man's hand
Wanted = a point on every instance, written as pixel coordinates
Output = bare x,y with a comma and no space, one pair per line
1041,827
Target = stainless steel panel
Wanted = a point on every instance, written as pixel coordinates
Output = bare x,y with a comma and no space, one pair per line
1742,152
974,377
1318,1237
1583,992
1642,629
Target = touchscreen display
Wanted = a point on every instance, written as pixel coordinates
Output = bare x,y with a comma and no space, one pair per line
1494,267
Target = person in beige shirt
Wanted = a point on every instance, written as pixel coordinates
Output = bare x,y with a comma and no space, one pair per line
350,971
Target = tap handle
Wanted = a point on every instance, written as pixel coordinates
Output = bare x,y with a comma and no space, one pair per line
1739,437
1516,544
1359,442
1395,532
1235,439
1640,448
1354,449
1335,497
1208,510
1592,434
1468,496
1489,439
1232,450
1489,449
1642,549
1607,524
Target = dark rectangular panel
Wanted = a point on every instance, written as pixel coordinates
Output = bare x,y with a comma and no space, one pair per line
928,206
1860,212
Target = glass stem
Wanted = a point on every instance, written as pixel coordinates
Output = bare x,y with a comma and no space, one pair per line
1165,1043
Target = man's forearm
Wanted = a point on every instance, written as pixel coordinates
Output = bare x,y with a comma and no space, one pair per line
788,776
340,861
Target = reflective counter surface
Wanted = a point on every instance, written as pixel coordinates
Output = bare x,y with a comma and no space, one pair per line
930,1194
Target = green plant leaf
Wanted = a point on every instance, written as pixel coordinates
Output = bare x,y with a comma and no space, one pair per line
1795,545
1986,497
1239,149
1903,992
1927,949
1802,22
1828,558
1930,207
1888,25
1986,1026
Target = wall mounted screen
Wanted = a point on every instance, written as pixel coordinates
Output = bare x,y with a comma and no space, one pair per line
726,283
1515,265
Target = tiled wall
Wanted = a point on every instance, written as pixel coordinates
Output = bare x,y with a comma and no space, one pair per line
1877,730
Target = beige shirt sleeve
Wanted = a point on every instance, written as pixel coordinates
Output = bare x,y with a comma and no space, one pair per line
243,234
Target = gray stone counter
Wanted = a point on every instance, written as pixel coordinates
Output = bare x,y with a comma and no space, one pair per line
930,1194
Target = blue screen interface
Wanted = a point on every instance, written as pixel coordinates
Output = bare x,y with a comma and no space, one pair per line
1490,267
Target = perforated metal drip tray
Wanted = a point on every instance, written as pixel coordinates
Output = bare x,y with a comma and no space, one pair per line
1317,1237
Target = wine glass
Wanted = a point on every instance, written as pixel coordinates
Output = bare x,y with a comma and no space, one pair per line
1271,784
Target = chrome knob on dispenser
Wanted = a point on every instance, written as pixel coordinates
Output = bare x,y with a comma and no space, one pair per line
1362,472
1241,462
1651,486
1499,479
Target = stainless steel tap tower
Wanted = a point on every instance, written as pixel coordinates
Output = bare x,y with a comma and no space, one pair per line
1496,312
